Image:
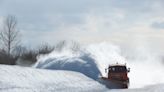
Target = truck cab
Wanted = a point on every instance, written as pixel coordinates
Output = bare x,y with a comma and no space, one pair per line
117,76
118,72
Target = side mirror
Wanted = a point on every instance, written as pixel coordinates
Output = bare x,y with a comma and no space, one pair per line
105,70
128,70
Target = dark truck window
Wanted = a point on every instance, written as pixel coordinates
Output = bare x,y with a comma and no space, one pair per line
117,69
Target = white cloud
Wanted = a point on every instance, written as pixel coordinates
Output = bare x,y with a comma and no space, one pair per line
85,21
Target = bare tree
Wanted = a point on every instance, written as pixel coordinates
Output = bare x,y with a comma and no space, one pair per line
9,34
45,48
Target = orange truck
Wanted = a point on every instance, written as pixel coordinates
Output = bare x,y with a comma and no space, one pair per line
117,76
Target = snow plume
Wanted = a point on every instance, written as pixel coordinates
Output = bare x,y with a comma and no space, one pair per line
69,56
91,60
106,54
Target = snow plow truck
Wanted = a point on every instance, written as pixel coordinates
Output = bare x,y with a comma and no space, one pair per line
117,76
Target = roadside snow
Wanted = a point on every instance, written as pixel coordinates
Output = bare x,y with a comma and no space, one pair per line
21,79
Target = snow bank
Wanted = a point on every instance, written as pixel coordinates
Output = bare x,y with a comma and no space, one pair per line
20,79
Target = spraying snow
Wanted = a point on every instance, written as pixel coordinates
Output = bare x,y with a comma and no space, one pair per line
70,59
105,54
92,60
147,69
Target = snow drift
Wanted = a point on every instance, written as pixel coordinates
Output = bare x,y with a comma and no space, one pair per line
21,79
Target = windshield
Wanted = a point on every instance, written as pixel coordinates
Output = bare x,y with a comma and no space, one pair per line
117,69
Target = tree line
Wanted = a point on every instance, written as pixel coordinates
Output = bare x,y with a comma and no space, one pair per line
12,52
11,48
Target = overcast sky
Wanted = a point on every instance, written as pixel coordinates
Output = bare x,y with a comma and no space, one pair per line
87,21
